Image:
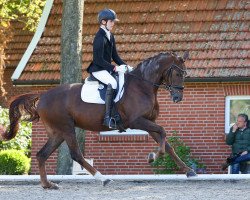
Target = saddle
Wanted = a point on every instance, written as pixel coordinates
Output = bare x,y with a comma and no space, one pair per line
103,87
94,91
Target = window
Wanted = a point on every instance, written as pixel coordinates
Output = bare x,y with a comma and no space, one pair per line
234,106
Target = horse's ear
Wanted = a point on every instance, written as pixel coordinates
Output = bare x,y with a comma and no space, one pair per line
186,55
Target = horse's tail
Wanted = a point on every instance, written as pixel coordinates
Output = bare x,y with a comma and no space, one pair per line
22,107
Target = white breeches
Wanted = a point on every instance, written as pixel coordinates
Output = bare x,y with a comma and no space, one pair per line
106,78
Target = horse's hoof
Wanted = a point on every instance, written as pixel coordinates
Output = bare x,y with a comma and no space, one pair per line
191,173
151,157
51,186
106,182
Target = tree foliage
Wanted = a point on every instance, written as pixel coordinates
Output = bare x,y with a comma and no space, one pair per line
27,12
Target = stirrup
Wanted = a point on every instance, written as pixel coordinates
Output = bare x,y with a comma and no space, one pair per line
110,123
112,119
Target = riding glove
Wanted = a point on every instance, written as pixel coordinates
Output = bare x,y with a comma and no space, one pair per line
130,68
121,68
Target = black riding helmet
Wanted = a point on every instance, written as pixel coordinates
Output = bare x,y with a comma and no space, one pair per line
107,14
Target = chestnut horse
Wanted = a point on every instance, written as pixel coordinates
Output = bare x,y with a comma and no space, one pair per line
61,110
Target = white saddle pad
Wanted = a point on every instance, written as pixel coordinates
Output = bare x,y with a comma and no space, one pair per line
90,92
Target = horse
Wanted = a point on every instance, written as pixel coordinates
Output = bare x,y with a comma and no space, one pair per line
61,110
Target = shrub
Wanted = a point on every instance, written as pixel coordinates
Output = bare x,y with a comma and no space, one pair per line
166,165
22,141
14,162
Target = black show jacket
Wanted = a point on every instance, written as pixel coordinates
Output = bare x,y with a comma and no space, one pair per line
104,51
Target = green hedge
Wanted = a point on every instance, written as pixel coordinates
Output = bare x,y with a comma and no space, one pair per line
14,162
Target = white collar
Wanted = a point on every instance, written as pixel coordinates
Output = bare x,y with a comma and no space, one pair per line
242,129
108,34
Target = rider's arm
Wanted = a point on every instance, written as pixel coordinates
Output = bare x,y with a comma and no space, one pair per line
116,58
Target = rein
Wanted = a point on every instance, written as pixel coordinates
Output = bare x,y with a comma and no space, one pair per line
164,85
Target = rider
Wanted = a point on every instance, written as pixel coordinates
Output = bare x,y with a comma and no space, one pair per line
104,51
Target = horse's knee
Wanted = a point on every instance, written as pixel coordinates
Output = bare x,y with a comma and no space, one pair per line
168,148
162,132
40,157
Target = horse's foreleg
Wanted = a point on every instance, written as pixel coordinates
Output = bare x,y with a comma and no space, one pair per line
78,157
189,172
51,145
159,135
156,132
178,161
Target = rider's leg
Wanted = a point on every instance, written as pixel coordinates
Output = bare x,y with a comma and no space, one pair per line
106,78
109,103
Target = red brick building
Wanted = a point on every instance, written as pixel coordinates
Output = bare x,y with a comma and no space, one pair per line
216,32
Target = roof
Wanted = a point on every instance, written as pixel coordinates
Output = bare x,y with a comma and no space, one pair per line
17,45
216,32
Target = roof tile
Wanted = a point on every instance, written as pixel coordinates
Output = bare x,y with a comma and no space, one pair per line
221,4
202,5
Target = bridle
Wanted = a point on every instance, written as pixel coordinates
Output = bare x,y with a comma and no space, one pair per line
169,73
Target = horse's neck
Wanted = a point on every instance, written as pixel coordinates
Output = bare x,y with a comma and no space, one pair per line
149,71
135,81
149,76
143,95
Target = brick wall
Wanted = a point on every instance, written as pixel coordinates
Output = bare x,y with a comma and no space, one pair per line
198,120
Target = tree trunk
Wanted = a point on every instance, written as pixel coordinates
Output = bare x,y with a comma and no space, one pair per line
71,67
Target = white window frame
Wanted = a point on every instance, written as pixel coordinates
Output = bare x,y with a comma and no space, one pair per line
128,132
227,109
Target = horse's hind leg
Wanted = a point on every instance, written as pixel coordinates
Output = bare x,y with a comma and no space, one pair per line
78,157
51,145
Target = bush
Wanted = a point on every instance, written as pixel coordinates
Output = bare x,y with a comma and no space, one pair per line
22,141
14,162
166,165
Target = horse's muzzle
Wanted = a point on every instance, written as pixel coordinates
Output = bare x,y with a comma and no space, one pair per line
176,92
176,99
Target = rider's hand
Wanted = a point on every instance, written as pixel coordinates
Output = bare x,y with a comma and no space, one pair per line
130,68
121,68
244,153
235,127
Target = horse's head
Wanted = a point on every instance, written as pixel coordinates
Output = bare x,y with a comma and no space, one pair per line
173,74
166,69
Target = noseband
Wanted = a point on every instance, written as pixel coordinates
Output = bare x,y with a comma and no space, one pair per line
169,73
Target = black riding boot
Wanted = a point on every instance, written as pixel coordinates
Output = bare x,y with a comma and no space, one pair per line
108,121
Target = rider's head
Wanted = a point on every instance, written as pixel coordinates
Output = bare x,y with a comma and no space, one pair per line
107,17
